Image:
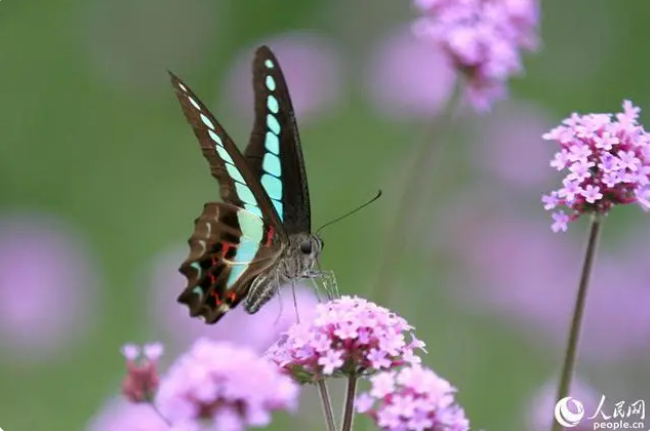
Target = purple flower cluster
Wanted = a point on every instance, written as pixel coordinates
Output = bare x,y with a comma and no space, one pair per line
227,386
415,398
483,39
608,163
142,378
349,336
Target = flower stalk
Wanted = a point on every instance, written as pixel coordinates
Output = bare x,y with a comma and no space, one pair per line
571,354
350,395
326,403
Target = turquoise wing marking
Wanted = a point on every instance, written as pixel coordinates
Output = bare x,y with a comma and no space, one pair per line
273,153
239,186
271,177
252,228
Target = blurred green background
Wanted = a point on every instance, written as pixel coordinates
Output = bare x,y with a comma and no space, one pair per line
94,151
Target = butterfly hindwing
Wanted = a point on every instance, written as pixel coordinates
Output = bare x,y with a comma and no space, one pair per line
228,249
274,153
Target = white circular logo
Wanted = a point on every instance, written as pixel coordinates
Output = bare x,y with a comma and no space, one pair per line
564,414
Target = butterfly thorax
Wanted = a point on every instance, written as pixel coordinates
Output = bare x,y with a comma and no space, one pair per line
296,262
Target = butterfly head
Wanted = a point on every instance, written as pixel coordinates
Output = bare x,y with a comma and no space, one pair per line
305,249
311,246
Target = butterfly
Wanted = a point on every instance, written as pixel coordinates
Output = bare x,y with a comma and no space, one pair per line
259,237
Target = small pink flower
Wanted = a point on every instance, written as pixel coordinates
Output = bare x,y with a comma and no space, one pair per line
482,39
227,384
560,220
142,377
550,201
349,335
560,160
608,159
414,398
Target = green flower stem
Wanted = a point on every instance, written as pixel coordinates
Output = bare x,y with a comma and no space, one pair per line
327,405
348,412
427,160
578,312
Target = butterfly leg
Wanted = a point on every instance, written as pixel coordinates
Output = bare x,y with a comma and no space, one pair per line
277,319
327,279
295,300
316,289
333,286
315,286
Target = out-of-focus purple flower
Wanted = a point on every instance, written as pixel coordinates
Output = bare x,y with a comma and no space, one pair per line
46,284
120,415
415,398
505,258
608,163
257,331
228,385
542,405
408,78
312,68
483,39
348,336
141,381
512,150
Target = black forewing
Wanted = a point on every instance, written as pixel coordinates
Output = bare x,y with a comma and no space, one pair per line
296,211
213,138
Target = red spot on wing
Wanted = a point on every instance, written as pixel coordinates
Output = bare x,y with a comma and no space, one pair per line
226,247
269,235
231,296
217,299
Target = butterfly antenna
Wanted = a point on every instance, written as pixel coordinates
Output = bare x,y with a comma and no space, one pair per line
350,212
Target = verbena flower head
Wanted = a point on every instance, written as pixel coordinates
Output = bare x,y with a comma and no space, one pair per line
228,386
142,377
483,39
348,336
415,398
607,162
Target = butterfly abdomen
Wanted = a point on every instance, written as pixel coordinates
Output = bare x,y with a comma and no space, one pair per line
263,288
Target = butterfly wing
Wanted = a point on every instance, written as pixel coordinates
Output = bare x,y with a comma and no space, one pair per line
239,186
274,154
246,226
229,248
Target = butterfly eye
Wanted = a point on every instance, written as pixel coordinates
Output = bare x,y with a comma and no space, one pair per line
305,247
